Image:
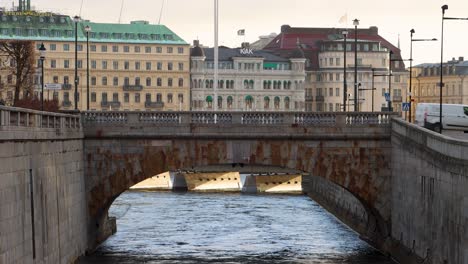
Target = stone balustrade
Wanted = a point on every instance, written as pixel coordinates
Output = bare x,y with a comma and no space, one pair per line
16,123
244,118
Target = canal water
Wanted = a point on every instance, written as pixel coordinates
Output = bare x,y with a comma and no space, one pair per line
170,228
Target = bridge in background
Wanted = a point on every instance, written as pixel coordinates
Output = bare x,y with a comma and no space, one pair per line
371,170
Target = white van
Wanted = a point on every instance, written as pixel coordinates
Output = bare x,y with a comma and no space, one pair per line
454,116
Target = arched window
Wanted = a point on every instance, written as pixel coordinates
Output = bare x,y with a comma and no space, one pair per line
265,85
285,85
148,81
286,102
126,81
211,83
251,84
279,85
246,84
207,84
181,82
229,102
200,84
169,98
209,101
232,84
220,102
275,85
289,85
158,97
248,102
266,102
169,82
269,85
159,82
277,103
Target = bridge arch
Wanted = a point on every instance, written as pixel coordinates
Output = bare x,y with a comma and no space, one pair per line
356,171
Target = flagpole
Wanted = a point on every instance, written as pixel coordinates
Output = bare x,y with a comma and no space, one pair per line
216,58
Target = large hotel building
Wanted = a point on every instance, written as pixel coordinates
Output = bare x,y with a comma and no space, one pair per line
136,66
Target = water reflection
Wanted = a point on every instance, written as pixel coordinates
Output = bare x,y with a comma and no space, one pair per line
228,228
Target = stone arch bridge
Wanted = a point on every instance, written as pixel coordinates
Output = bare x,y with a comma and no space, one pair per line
345,157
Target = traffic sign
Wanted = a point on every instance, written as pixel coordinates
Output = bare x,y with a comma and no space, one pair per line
52,86
387,97
406,107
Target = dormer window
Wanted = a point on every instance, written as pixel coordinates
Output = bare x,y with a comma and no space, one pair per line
52,20
4,18
14,18
41,19
28,19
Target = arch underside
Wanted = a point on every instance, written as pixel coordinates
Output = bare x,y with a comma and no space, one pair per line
359,167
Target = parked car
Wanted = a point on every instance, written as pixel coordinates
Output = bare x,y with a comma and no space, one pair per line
454,116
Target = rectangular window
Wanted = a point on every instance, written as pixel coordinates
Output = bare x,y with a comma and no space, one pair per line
180,50
66,64
159,66
126,65
137,49
104,97
137,65
103,48
115,48
147,49
169,66
338,76
137,98
170,50
337,92
115,81
80,47
331,61
126,49
181,66
53,47
53,63
148,66
93,64
66,47
115,97
104,65
92,48
158,50
126,97
330,76
359,62
93,97
104,81
330,91
338,61
115,65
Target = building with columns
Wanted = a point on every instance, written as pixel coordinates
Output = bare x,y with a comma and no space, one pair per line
324,50
136,66
249,80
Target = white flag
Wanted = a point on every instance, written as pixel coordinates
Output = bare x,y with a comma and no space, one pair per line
241,32
343,19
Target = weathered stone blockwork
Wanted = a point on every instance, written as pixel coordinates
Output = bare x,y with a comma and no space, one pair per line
430,194
53,158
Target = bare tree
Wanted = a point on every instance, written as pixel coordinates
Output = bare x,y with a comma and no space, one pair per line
22,54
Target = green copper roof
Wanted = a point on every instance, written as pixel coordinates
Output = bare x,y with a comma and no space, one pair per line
135,32
31,25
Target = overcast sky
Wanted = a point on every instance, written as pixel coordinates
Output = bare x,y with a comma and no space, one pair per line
194,19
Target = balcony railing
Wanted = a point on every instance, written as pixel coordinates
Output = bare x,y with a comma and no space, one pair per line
128,87
66,103
309,98
66,86
397,98
155,105
111,104
320,98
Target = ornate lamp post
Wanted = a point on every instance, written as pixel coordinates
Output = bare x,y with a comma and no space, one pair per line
42,51
87,29
356,24
76,19
345,86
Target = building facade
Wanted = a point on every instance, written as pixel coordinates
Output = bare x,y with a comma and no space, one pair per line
426,79
249,80
324,49
136,66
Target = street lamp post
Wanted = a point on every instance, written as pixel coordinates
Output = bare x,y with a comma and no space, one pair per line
441,84
371,89
356,24
411,70
87,29
345,86
76,19
390,81
42,51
